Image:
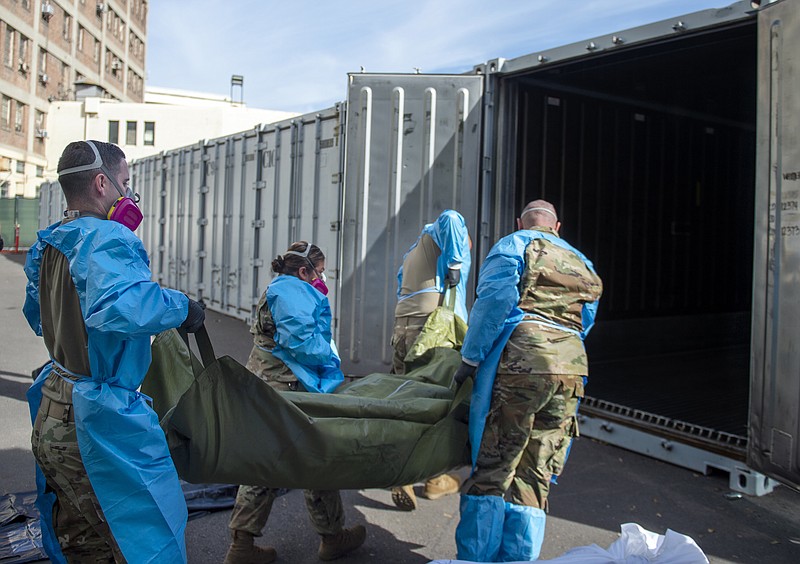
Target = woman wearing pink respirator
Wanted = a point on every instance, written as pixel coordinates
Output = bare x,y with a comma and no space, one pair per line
293,351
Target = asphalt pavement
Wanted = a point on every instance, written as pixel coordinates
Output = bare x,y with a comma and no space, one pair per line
601,488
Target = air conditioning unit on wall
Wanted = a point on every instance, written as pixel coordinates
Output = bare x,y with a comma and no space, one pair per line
41,134
23,66
43,78
47,11
101,7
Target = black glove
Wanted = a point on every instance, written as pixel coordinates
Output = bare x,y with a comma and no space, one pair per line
464,371
195,318
453,277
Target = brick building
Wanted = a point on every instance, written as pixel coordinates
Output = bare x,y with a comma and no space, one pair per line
50,50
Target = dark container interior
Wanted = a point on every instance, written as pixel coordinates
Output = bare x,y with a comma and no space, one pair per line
648,153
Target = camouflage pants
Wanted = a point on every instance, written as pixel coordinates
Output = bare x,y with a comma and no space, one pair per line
531,422
254,503
405,333
78,521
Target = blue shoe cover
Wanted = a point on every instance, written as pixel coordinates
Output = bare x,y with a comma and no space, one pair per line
480,530
523,533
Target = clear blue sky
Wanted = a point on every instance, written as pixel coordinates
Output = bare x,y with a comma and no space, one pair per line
295,55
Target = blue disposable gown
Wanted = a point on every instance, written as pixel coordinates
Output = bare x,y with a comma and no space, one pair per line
122,446
449,232
303,339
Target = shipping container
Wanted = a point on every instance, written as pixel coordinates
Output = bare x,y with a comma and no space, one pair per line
670,151
665,151
217,212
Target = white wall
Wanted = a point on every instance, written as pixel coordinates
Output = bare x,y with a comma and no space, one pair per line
175,125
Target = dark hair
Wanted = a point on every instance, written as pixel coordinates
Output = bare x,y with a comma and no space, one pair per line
79,153
291,263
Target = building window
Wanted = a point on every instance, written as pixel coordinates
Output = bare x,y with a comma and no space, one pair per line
26,4
67,27
23,49
5,111
20,167
8,54
19,118
80,38
149,133
42,61
65,77
96,50
113,132
130,134
39,171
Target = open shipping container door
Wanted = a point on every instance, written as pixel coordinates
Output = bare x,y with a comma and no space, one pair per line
646,142
413,150
775,391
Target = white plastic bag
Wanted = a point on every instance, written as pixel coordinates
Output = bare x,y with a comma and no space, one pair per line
635,545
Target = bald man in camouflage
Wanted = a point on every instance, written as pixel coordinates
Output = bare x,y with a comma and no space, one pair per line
537,296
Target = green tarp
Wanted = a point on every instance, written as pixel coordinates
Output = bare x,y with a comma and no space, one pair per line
225,425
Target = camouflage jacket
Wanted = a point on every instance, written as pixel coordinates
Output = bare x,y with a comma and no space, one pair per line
554,286
262,362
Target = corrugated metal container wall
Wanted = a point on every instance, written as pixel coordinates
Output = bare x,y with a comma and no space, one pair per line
51,204
299,195
146,181
184,175
412,151
218,212
775,387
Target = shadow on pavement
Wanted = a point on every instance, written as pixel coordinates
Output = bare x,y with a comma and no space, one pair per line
604,487
12,387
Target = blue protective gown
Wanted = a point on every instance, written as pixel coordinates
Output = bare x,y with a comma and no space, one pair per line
490,528
122,446
449,232
303,339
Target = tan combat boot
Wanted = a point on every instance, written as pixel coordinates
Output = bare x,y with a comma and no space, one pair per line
346,540
404,498
440,486
244,551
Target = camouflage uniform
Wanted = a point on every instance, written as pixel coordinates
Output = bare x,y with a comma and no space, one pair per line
81,529
539,381
254,503
78,520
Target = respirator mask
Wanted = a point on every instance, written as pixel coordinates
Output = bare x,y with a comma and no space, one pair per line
317,283
124,210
